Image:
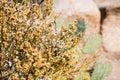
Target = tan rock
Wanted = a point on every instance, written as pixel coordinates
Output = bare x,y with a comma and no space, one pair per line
74,9
111,31
115,73
108,3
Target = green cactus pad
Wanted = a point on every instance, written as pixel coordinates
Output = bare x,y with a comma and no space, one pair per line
80,26
92,43
101,70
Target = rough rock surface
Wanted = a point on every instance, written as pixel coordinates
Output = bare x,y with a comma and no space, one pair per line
74,9
108,3
111,31
111,41
115,62
115,74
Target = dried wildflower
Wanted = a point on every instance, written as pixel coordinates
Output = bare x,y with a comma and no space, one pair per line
37,72
37,64
26,67
29,40
14,76
30,77
18,65
22,78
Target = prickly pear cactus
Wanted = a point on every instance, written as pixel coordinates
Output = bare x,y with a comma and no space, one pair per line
92,43
101,70
82,76
80,26
78,52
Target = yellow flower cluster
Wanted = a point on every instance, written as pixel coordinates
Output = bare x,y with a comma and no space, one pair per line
47,4
30,47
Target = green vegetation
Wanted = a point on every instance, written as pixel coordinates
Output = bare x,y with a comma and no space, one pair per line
31,47
92,43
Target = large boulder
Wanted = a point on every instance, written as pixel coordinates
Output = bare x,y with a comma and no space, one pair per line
108,3
74,9
111,31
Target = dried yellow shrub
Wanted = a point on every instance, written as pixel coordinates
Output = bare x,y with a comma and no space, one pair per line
30,46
